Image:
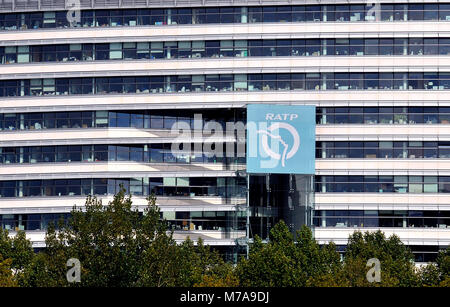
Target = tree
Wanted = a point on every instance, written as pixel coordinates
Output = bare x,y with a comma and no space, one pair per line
118,246
199,263
397,261
270,264
6,275
17,248
287,261
443,263
47,269
184,265
226,279
437,274
429,275
322,265
16,253
107,240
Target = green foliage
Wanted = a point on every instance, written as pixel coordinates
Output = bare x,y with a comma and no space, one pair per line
213,280
16,248
48,269
429,275
6,275
16,253
182,265
299,261
286,261
443,263
397,261
118,246
437,274
108,241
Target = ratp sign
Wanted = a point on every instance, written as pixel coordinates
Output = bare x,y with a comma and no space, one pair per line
281,139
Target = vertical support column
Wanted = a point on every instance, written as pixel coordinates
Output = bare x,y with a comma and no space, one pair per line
20,191
169,16
22,122
405,13
244,15
324,46
323,220
21,155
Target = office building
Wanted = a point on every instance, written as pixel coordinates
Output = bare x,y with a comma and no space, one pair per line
88,105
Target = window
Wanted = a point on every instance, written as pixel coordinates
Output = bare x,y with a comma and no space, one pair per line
430,184
36,87
312,47
415,11
430,12
226,48
342,46
342,13
129,51
130,18
313,13
115,51
23,54
298,13
184,49
157,50
357,12
101,52
386,46
356,47
415,184
416,46
400,12
198,49
444,12
75,52
116,18
240,82
387,12
49,20
143,51
371,46
400,184
49,86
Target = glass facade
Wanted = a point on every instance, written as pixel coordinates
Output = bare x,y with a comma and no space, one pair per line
387,115
180,220
225,49
148,153
382,218
167,186
279,196
422,253
15,222
227,83
382,184
165,119
383,150
228,15
154,119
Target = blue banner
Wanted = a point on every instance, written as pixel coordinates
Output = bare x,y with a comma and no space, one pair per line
281,139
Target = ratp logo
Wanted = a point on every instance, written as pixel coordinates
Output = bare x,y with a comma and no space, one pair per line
280,139
284,155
